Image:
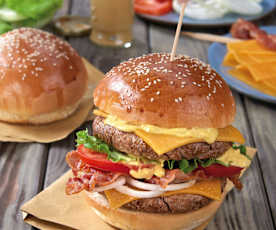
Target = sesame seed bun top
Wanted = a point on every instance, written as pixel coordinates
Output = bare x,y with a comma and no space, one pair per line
150,89
40,74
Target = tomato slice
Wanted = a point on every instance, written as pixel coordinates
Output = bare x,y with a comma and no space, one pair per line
153,7
99,161
218,170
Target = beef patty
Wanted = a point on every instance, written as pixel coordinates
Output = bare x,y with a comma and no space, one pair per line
132,144
178,203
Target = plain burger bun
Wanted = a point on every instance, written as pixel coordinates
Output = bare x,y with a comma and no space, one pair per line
131,220
184,93
42,78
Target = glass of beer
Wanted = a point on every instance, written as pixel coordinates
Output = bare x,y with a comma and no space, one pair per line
112,22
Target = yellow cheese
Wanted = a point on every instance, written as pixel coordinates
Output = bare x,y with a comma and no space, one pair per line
243,74
208,188
161,143
249,46
147,173
252,64
230,134
260,67
235,158
100,113
207,134
230,60
117,199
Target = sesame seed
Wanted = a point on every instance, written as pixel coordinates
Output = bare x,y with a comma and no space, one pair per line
158,93
34,40
152,99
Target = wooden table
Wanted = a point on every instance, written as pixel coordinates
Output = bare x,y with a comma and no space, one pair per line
26,169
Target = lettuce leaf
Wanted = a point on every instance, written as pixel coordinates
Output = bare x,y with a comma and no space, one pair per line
5,27
91,142
187,166
26,13
35,9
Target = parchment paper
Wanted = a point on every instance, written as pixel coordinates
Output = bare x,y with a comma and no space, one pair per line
52,209
56,130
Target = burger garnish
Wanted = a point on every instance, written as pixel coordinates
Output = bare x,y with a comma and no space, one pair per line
162,139
93,153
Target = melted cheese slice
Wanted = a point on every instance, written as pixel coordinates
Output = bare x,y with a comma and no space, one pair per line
207,188
233,157
249,46
207,134
252,64
230,60
161,143
243,74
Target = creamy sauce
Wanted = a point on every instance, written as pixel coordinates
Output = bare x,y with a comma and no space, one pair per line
235,158
207,134
147,173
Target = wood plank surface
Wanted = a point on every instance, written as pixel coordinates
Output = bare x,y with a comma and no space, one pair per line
262,119
246,209
21,174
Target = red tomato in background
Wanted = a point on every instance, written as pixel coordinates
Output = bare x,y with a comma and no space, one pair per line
153,7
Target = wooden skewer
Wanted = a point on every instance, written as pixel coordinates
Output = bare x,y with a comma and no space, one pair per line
211,37
178,29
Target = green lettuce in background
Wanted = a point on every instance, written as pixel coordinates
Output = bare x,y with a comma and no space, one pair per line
29,13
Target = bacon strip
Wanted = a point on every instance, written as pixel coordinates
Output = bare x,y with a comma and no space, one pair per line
177,176
236,181
86,177
165,180
247,30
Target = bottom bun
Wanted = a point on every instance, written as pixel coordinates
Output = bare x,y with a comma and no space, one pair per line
131,220
43,118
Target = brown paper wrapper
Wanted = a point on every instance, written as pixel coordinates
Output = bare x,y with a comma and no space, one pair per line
57,130
52,209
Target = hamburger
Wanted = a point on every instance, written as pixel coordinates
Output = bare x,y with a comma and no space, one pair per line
163,146
42,78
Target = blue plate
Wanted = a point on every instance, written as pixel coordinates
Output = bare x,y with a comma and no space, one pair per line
228,19
216,53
